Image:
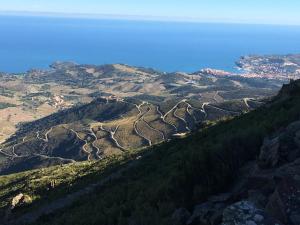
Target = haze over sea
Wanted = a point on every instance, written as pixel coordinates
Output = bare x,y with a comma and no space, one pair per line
36,42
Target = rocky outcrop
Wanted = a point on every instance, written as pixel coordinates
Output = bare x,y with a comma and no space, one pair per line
284,202
269,155
267,191
246,213
211,211
282,149
291,89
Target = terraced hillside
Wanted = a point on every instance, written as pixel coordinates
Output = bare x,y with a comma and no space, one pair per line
73,113
109,127
38,93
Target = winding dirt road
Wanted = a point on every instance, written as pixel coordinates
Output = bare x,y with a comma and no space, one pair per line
112,136
98,156
46,139
182,119
163,117
156,130
140,118
84,146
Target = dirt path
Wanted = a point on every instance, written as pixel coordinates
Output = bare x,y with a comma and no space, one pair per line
98,156
46,139
182,119
140,117
13,156
24,139
191,114
203,109
246,101
156,130
6,154
162,116
113,133
112,136
151,127
189,106
14,153
176,106
174,109
84,146
164,119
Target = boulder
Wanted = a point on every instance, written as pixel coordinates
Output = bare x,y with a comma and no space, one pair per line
246,213
285,147
269,154
20,200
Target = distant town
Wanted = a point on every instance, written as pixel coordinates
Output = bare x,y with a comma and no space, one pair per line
271,67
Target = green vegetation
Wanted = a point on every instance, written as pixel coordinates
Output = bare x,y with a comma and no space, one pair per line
181,173
67,178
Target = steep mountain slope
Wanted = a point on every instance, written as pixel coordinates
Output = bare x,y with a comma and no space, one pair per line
148,188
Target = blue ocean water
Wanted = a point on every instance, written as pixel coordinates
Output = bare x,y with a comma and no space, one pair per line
32,42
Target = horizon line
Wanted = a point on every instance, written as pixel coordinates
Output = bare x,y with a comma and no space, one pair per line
149,18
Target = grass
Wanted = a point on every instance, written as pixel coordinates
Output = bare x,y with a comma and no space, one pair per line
68,178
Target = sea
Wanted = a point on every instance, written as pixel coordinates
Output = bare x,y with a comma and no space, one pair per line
28,42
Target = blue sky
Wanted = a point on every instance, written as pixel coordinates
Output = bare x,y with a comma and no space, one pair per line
242,11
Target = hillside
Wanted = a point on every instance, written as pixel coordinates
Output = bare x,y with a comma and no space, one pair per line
72,113
109,127
173,183
39,93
